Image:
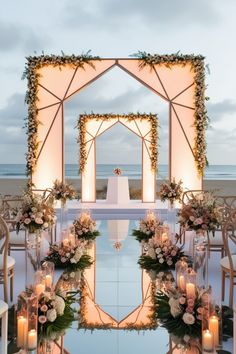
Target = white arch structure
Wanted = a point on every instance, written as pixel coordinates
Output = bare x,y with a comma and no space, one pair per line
174,84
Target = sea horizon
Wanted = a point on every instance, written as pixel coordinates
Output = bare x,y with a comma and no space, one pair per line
133,171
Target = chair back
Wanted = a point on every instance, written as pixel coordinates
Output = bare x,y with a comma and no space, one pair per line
10,207
4,242
188,195
229,236
45,193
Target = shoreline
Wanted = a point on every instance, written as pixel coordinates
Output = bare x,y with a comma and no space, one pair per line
15,186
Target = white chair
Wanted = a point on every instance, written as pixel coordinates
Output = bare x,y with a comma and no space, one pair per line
4,318
228,263
7,263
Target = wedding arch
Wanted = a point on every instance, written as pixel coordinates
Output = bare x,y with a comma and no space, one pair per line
177,79
92,126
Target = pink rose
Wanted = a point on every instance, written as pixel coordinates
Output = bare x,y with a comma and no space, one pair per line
44,308
190,302
173,253
42,319
182,300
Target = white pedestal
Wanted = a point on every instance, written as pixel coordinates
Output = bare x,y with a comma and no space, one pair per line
118,190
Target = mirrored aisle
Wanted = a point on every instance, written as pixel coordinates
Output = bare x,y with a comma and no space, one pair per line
117,307
115,298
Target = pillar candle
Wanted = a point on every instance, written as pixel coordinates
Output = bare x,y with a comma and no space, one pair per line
181,282
48,281
214,328
21,331
190,291
39,288
32,339
207,341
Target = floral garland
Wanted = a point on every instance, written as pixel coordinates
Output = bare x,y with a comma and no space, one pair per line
83,323
201,120
34,63
84,118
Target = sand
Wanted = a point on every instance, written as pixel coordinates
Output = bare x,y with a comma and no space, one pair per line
15,186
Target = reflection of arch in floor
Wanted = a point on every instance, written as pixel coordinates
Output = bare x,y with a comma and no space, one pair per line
93,316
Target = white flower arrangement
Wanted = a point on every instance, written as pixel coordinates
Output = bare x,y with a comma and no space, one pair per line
36,213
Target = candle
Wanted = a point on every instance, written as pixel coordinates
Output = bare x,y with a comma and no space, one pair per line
21,331
164,237
32,339
207,341
181,282
214,328
65,242
39,288
48,281
72,239
190,291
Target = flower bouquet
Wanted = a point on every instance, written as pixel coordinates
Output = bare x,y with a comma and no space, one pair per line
180,314
117,171
69,255
171,191
147,227
85,227
160,255
36,213
63,191
201,213
55,314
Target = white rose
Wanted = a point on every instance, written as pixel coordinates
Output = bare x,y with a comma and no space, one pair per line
161,260
51,315
78,254
152,253
39,221
175,308
158,250
72,260
59,305
188,318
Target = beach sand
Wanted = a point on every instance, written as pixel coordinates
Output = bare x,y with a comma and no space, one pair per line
16,186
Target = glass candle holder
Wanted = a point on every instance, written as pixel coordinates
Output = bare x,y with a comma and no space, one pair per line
200,263
181,269
215,324
27,321
191,283
48,269
39,282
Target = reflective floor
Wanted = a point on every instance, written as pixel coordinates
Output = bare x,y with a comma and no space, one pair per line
118,296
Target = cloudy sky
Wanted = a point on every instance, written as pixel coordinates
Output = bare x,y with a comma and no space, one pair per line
112,28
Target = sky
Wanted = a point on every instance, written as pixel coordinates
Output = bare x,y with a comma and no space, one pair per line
111,28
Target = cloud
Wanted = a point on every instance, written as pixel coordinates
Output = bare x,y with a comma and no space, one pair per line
16,36
217,111
116,15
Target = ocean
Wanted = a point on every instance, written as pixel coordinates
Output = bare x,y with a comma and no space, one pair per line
213,172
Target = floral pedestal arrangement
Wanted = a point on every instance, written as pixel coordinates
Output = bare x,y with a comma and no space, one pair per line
85,227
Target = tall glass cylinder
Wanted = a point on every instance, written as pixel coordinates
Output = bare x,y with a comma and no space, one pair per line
200,263
48,269
32,261
181,271
63,216
27,321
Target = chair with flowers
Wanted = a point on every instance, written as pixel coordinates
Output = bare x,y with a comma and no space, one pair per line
7,263
11,206
228,263
211,210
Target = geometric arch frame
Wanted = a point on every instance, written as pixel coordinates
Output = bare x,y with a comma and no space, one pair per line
92,126
57,83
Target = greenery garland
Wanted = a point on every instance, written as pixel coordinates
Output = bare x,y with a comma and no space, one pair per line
84,118
201,120
33,64
83,324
